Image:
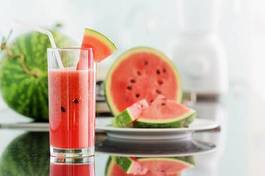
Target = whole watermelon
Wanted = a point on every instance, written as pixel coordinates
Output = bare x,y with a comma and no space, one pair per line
23,73
26,155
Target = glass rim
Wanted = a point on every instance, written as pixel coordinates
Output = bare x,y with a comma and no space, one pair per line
70,49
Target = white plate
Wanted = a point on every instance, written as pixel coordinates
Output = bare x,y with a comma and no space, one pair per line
152,134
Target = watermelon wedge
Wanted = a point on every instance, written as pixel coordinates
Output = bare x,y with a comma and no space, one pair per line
130,114
141,73
101,45
152,166
130,166
165,113
165,166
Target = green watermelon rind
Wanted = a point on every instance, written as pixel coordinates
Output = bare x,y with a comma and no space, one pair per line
179,122
100,36
109,165
123,119
122,57
125,163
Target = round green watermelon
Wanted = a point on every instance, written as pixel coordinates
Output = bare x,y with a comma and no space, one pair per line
23,73
26,155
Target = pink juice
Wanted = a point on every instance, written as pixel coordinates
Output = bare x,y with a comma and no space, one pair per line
71,108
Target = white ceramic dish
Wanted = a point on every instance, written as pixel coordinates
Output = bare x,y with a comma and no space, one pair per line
153,134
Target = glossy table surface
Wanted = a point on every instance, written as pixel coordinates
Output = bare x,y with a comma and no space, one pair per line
215,153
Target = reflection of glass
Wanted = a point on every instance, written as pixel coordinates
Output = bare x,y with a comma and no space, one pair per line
160,166
71,102
72,167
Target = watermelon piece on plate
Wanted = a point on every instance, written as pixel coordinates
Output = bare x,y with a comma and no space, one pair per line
141,73
101,45
165,113
130,114
151,166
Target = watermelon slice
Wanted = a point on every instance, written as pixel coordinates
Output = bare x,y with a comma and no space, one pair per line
101,45
130,166
126,117
141,73
152,166
165,113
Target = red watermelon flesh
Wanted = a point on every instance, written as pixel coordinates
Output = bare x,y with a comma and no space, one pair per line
165,113
165,167
117,171
136,109
155,167
141,73
163,108
101,45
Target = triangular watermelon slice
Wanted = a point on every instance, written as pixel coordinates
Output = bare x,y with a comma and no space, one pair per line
165,113
101,45
130,114
130,166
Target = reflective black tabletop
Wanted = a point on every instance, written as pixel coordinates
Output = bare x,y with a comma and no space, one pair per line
218,152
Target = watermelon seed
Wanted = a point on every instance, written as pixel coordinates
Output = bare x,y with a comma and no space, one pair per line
158,91
139,73
163,104
137,95
63,109
129,87
164,70
145,62
151,101
158,71
160,82
76,101
132,81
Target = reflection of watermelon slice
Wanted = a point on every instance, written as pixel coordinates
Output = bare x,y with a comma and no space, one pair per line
165,113
126,117
154,166
101,45
130,166
141,73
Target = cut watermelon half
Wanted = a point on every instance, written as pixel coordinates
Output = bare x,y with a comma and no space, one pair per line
141,73
101,45
152,166
165,113
130,114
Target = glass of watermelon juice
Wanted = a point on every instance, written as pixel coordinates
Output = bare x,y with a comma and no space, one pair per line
71,78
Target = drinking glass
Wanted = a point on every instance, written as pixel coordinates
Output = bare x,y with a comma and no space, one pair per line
71,79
